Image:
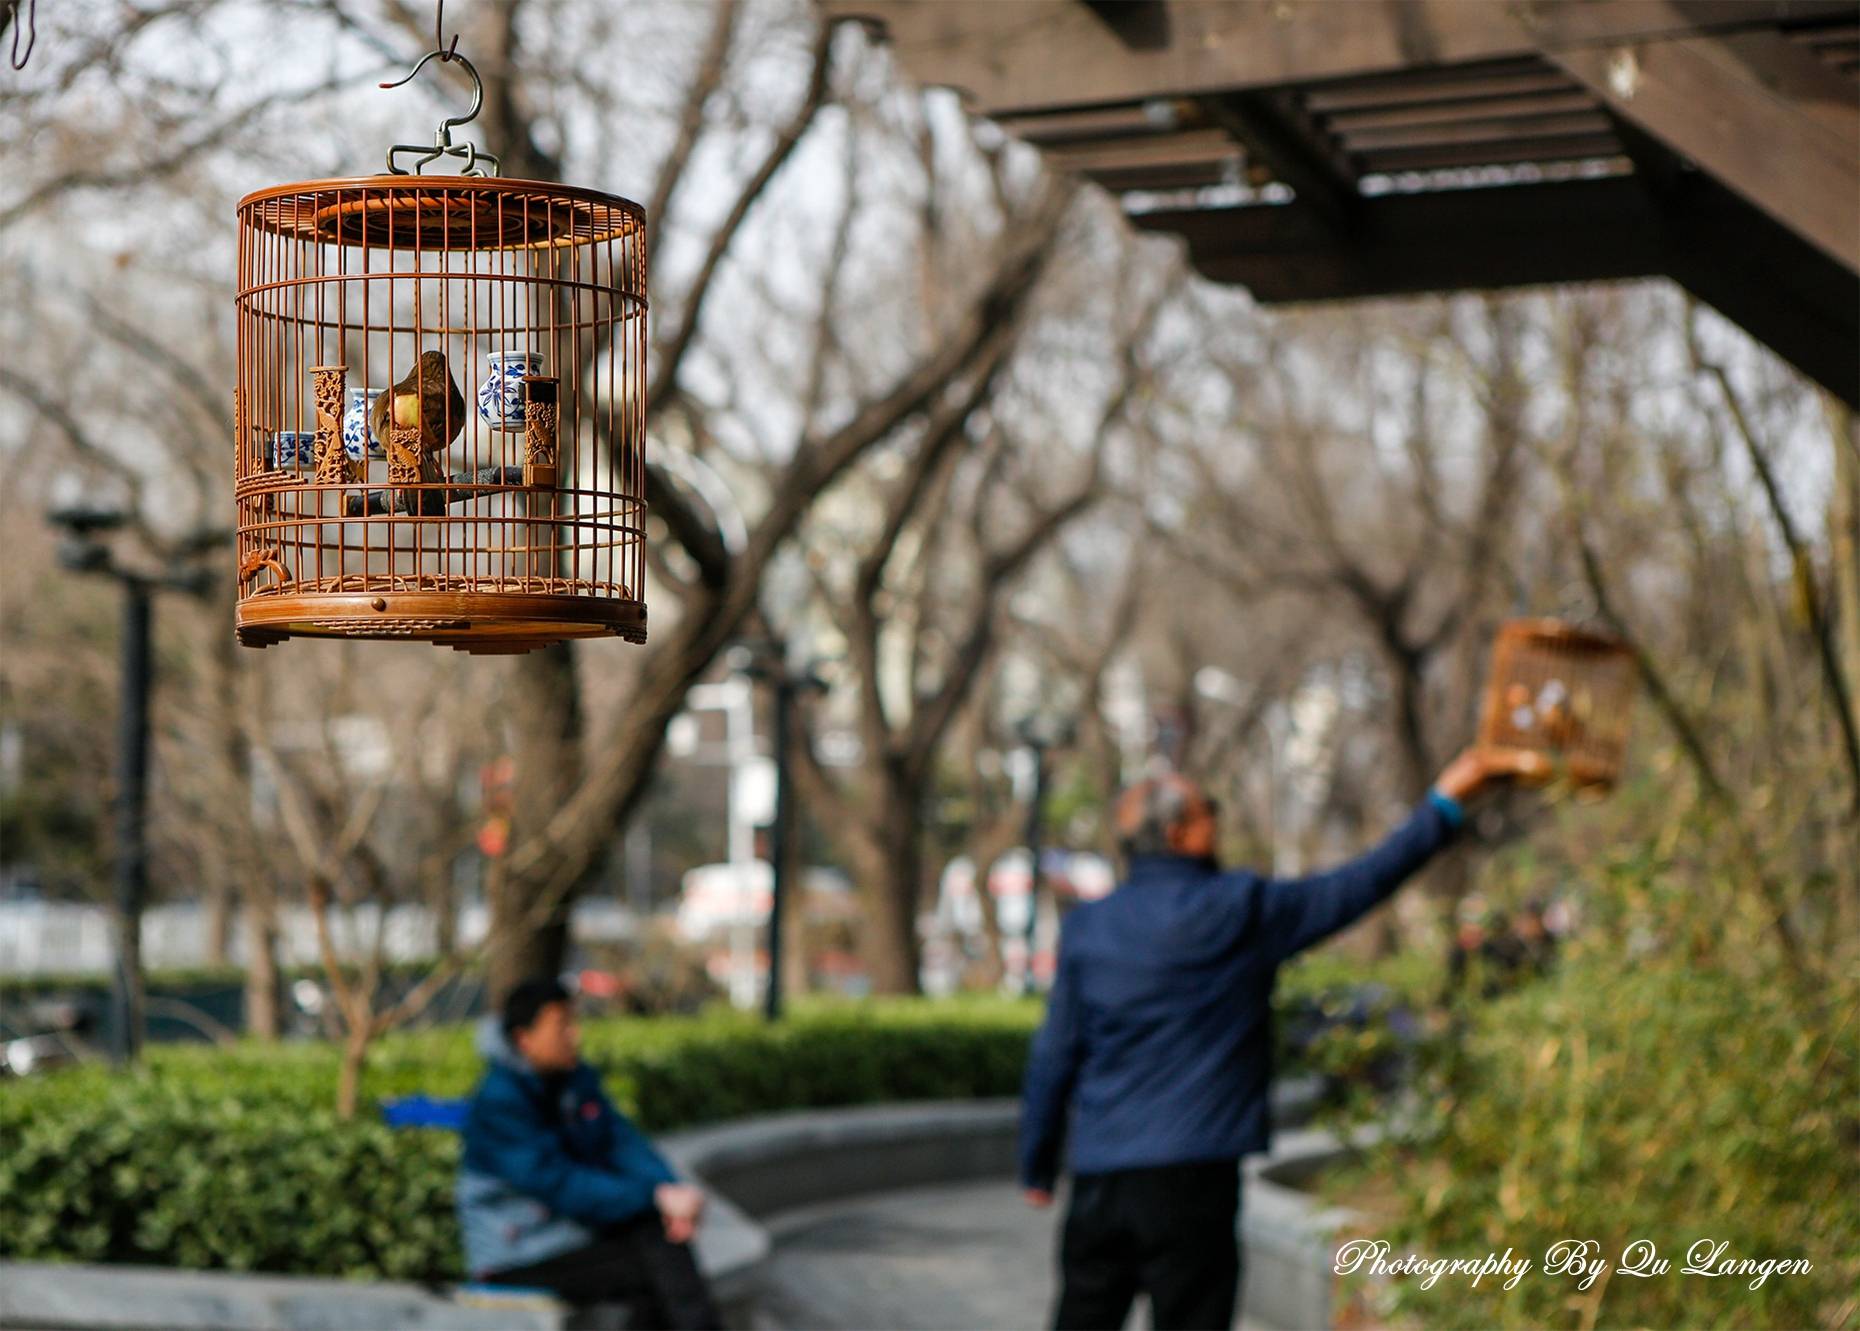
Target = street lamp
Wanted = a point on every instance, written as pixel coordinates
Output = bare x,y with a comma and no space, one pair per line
769,665
82,524
1039,737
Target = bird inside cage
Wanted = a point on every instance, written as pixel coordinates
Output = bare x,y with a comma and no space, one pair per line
1562,691
414,422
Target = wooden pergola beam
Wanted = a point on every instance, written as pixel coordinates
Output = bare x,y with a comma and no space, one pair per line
1010,56
1756,272
1759,112
1802,304
1268,126
1404,244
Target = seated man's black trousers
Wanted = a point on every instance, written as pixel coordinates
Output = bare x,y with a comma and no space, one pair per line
1166,1231
632,1263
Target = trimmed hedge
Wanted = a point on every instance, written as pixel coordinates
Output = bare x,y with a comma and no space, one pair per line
155,1173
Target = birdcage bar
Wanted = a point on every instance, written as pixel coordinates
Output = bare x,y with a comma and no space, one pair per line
431,312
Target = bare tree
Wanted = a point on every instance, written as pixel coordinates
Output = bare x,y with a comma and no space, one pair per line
909,601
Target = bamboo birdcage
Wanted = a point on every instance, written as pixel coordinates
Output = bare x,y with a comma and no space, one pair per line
497,518
1561,691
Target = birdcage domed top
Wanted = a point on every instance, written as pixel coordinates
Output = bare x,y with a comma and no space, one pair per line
442,212
1561,633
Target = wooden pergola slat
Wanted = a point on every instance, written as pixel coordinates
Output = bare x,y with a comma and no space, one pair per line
1188,148
1459,112
1513,129
1491,152
1532,78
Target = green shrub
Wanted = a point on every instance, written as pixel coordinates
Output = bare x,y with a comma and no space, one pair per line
156,1174
1672,1098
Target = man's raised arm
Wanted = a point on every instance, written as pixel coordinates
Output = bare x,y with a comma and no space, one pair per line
1298,912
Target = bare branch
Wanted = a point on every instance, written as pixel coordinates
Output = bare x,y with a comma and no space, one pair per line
1802,562
671,357
162,164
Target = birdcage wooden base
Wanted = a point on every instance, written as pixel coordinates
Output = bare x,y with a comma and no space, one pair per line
477,622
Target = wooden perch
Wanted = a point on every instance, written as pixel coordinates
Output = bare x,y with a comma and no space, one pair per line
382,502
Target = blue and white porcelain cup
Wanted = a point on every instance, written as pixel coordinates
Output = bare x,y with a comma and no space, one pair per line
289,449
356,441
500,396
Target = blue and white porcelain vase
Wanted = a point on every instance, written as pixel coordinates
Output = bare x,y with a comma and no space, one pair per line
355,438
292,449
500,396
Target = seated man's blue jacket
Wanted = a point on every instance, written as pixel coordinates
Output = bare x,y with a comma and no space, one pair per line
547,1164
1157,1045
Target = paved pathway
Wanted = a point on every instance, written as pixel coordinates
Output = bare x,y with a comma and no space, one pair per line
957,1257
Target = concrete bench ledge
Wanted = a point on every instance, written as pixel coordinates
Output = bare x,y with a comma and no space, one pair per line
1288,1235
782,1161
148,1298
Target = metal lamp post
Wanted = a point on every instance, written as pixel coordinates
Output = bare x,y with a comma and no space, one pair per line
81,550
787,684
1039,739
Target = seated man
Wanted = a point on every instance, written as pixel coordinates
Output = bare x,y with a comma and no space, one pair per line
558,1190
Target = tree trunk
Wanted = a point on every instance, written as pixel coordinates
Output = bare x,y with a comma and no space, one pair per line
529,915
1410,719
984,849
891,943
793,977
442,900
891,874
1844,535
354,1058
261,966
219,921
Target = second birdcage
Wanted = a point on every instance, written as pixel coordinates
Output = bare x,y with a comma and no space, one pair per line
440,412
1564,692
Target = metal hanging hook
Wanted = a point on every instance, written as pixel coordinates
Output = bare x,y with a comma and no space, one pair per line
477,86
18,58
442,137
439,34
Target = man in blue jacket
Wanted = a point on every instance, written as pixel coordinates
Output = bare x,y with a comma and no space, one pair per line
558,1190
1156,1051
